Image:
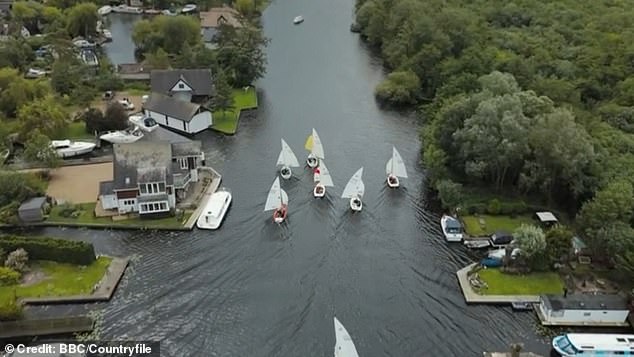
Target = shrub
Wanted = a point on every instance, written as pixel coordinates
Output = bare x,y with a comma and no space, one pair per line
67,209
9,276
58,250
3,255
17,260
10,309
494,207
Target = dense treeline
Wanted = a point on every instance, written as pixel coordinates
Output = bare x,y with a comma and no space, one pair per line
531,96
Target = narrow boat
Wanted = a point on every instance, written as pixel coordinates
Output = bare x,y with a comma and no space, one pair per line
144,123
394,169
344,346
104,10
451,228
522,305
354,190
593,344
122,136
322,179
215,210
314,146
67,148
286,160
277,201
298,20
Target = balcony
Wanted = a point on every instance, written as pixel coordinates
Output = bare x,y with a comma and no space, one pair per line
180,180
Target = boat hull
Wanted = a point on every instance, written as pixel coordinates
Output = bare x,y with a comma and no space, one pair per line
356,205
81,149
393,181
319,191
312,161
140,121
279,215
286,172
120,139
210,222
449,237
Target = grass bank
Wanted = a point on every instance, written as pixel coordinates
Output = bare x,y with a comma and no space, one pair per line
58,279
77,130
482,225
511,284
84,215
227,122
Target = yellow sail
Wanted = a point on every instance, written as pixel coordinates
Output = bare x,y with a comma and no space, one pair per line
309,143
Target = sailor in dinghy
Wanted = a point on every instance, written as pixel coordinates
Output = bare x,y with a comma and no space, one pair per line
354,190
313,144
277,201
394,169
286,160
322,178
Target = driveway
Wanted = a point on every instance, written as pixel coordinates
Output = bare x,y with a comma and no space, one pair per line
78,184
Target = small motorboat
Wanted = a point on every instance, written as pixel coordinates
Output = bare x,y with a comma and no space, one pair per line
168,13
189,8
215,210
286,160
394,169
314,146
144,123
522,305
322,178
104,10
477,243
298,20
451,228
125,9
126,103
107,35
277,201
122,136
33,73
67,148
354,190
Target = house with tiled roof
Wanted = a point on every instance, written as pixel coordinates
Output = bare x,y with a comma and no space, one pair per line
210,22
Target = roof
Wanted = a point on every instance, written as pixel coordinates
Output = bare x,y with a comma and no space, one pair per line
171,107
137,160
200,80
152,198
192,148
161,134
133,68
546,217
151,174
585,302
106,187
32,203
217,16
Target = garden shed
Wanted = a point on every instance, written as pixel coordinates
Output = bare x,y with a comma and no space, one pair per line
547,218
33,209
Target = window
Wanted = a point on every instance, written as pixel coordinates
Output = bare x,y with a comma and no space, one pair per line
128,202
620,339
143,189
181,86
152,188
630,339
586,314
154,207
182,161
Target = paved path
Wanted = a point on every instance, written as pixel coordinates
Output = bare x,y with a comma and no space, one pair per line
213,186
104,291
472,297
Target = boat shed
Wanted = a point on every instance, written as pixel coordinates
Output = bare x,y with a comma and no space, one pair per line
33,210
583,310
547,218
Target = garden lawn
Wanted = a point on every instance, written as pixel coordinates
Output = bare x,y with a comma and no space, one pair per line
227,122
77,130
493,224
87,217
60,280
511,284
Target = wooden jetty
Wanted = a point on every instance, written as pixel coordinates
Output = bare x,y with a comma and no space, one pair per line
44,327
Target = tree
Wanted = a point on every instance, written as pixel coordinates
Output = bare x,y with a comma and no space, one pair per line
15,91
116,117
17,260
530,240
245,7
67,75
399,88
93,120
241,54
39,149
45,114
223,96
558,243
158,59
171,33
82,20
450,193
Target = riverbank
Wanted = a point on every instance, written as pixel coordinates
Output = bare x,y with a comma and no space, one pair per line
243,100
472,297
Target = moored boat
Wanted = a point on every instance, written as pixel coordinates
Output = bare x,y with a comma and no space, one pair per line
322,179
189,8
314,146
107,35
298,20
593,344
104,10
344,346
122,136
522,305
67,148
277,201
477,243
451,228
144,123
286,160
125,9
354,190
215,210
395,168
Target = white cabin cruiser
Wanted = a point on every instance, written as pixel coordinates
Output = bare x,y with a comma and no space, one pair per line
104,10
354,190
215,210
122,136
394,169
451,228
67,148
277,201
107,35
125,9
144,123
286,160
189,8
298,20
344,346
313,144
322,179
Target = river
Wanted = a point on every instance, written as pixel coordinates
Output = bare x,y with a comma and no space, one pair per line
253,288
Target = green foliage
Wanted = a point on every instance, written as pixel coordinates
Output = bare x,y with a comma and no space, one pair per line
17,187
10,309
115,117
15,91
399,88
58,250
450,193
531,240
558,243
223,96
82,20
39,149
241,54
45,114
171,33
9,276
494,207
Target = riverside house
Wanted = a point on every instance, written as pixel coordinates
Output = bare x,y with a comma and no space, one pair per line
178,99
583,310
210,22
150,177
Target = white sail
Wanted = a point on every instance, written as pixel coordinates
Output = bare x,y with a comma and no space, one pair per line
287,156
318,149
275,197
355,186
344,346
395,165
324,176
284,197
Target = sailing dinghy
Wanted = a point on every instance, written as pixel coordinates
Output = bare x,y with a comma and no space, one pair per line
354,191
277,201
322,179
394,169
286,160
313,144
344,346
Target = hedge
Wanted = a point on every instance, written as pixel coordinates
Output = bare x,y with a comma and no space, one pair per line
9,277
10,310
57,250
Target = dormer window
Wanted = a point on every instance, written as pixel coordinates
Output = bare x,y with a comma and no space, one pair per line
181,86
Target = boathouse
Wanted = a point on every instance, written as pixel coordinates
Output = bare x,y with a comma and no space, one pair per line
33,210
583,310
176,114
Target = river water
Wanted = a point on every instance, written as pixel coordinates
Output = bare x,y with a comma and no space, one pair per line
253,288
